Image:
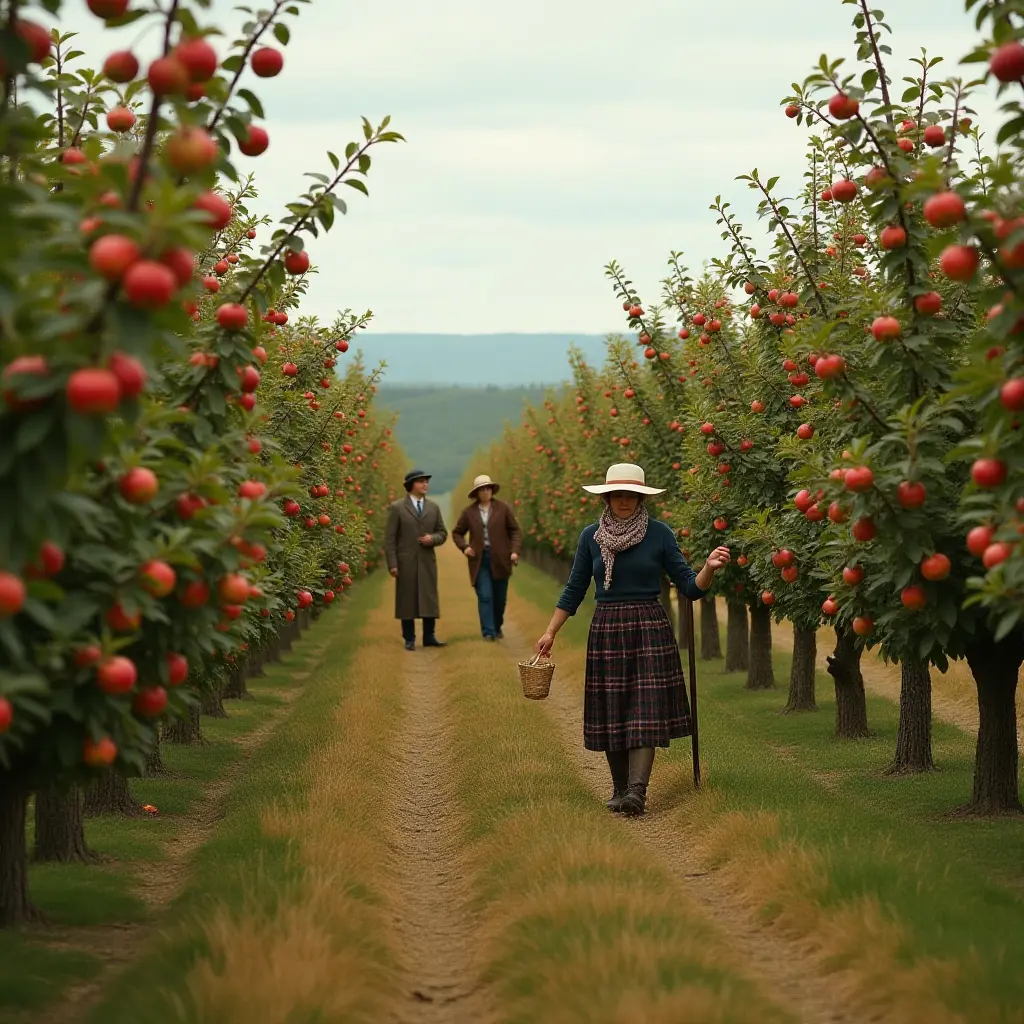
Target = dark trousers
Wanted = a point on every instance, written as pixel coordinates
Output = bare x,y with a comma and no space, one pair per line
409,629
491,597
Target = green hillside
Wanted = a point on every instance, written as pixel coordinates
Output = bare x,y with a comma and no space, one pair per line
441,427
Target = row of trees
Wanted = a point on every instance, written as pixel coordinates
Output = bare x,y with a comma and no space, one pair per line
190,467
843,409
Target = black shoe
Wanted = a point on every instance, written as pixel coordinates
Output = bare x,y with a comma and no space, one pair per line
500,635
615,803
410,645
434,642
634,803
490,639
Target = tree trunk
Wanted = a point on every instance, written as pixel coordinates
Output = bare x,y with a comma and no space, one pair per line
255,665
760,674
185,731
235,688
995,667
154,762
801,675
15,907
710,642
109,794
914,738
851,703
737,638
60,833
681,634
211,699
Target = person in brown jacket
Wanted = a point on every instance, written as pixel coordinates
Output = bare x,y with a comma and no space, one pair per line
489,536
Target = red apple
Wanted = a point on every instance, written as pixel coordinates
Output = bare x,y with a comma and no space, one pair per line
862,625
158,578
978,539
167,76
150,702
191,149
12,594
959,262
267,62
120,119
112,255
995,554
217,209
859,479
935,567
988,472
864,530
843,107
1007,61
928,304
93,392
121,66
177,668
149,285
139,485
99,753
910,494
232,316
255,141
198,57
944,209
1011,394
116,675
853,575
885,328
767,598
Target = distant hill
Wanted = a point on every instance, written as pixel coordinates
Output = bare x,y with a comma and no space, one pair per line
441,427
475,360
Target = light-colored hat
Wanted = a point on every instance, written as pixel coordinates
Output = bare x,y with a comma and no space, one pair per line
484,481
623,476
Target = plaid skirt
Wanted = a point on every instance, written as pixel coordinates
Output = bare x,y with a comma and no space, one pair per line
635,691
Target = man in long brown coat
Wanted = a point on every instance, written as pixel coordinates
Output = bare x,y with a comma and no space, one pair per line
492,548
414,529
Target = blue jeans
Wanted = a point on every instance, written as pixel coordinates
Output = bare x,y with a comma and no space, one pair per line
491,597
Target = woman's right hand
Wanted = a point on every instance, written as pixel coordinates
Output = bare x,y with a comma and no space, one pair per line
544,644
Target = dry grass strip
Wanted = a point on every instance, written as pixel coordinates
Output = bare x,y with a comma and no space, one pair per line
321,951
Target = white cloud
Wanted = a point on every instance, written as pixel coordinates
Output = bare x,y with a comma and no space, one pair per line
545,137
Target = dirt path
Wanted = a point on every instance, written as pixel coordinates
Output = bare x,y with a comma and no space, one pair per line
118,945
434,925
782,966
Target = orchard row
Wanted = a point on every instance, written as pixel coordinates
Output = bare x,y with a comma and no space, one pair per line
844,411
186,464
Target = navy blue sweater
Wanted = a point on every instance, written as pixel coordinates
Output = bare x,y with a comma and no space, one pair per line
637,573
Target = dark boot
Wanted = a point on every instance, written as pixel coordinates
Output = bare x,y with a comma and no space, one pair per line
618,763
641,761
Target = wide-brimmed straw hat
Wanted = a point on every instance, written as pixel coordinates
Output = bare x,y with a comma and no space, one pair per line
484,481
623,476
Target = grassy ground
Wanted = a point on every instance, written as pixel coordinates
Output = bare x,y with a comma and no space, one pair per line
926,910
576,923
271,915
93,909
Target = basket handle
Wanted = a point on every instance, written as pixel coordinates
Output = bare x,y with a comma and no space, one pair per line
536,660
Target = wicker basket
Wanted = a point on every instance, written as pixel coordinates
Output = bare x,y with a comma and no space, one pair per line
535,677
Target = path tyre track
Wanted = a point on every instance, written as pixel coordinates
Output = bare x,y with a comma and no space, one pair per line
434,924
785,968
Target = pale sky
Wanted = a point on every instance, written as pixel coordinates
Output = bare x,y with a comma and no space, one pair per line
545,137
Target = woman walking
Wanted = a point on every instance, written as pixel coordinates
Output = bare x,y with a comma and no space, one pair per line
492,549
635,696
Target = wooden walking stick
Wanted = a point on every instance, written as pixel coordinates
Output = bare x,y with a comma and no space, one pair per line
691,652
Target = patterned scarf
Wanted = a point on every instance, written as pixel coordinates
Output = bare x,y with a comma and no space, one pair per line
614,535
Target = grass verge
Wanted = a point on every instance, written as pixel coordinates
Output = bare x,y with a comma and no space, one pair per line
922,914
576,923
41,964
275,923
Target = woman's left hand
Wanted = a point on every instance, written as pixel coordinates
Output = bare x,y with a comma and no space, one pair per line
719,558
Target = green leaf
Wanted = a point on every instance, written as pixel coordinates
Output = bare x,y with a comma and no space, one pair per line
253,100
281,33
